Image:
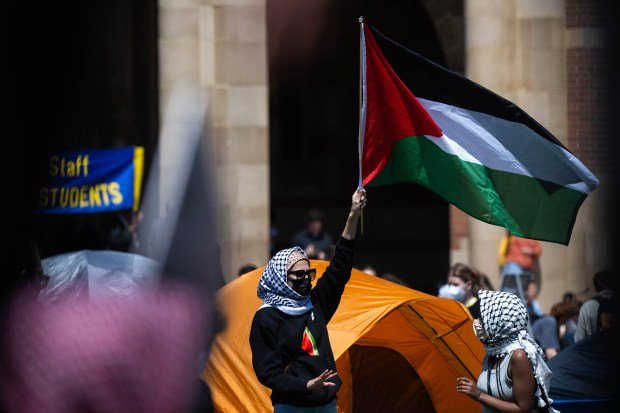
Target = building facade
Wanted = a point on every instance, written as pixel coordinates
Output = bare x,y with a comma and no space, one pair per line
547,57
278,81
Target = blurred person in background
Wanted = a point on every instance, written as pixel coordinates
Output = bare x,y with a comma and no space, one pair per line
121,355
531,301
136,355
566,312
315,242
546,333
113,355
462,285
543,327
123,232
569,297
519,257
598,313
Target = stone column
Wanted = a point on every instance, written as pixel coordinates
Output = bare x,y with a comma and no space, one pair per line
590,247
516,48
490,59
218,48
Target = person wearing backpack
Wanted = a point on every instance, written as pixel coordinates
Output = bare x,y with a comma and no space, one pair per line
597,313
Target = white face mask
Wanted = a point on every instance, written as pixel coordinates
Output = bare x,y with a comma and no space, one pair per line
479,331
452,291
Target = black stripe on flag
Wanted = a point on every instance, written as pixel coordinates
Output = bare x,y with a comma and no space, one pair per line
430,81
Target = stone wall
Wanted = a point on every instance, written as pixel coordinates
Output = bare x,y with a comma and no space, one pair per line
544,56
218,48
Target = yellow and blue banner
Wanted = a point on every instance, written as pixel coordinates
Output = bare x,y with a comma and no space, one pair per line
88,181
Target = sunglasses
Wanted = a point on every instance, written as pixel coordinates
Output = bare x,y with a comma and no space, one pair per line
300,274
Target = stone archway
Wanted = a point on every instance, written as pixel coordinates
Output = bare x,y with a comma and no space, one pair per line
313,76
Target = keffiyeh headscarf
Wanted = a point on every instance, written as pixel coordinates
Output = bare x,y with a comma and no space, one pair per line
504,319
273,289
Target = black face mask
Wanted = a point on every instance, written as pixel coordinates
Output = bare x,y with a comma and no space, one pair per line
302,286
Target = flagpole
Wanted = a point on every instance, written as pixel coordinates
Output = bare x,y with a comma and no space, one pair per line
362,102
362,107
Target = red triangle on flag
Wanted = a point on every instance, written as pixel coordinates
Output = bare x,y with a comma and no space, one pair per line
393,112
308,343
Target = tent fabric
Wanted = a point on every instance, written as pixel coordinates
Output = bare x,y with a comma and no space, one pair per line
383,377
426,342
98,274
586,369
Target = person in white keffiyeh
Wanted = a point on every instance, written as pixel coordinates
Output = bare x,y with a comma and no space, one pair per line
514,373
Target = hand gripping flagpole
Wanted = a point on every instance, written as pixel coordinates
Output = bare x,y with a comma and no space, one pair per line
362,106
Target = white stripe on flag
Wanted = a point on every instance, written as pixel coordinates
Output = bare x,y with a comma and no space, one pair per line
506,146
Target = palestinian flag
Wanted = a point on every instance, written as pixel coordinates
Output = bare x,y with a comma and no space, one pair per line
308,343
480,152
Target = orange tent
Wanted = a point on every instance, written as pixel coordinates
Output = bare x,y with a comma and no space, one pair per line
396,349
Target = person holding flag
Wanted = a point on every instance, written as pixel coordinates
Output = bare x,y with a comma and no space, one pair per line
291,352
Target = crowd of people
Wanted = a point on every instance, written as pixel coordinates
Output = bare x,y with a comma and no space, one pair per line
291,352
517,335
567,321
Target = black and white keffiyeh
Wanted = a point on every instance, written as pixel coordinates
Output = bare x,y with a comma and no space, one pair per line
504,319
275,292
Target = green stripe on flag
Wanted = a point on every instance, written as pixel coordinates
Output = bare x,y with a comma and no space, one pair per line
527,206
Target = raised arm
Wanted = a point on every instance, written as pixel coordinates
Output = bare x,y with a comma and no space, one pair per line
358,202
330,287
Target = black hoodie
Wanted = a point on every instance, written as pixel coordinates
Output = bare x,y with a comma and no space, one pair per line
276,339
